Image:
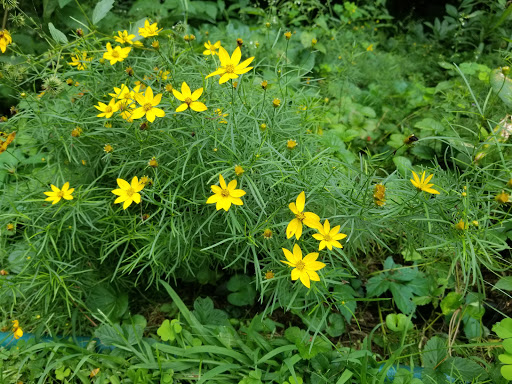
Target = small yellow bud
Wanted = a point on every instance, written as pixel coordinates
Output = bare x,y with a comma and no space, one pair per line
288,35
460,226
263,126
291,144
502,197
239,170
276,103
153,163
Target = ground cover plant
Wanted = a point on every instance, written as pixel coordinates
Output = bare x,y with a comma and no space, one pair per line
254,193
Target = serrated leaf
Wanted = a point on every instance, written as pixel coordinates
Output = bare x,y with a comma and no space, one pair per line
101,9
377,285
402,295
466,369
206,314
57,35
434,352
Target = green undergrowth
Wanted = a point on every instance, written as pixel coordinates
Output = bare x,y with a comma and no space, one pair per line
342,105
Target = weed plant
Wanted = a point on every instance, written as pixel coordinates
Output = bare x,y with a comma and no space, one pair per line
333,115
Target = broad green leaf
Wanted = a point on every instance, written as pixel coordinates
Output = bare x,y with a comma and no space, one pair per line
206,314
502,86
243,290
403,165
451,302
57,35
165,331
505,283
506,372
106,299
466,369
101,9
434,352
504,328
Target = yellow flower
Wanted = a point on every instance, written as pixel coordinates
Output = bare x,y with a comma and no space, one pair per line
56,194
116,54
423,184
155,44
329,237
291,144
149,29
307,218
313,42
211,49
5,40
461,225
122,93
76,132
168,87
80,60
107,110
231,67
369,48
108,148
379,194
502,197
18,332
239,42
221,115
225,195
304,269
10,227
145,180
153,163
269,275
276,103
9,138
147,106
124,37
263,126
239,170
288,35
267,234
264,84
189,99
128,193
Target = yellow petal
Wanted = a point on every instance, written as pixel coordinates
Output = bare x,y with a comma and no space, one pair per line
222,182
185,90
236,56
301,201
182,107
197,94
224,57
123,184
198,106
237,193
295,274
310,257
213,199
313,275
292,227
293,208
290,257
304,278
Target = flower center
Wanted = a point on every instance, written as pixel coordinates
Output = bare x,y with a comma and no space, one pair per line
127,96
147,107
115,54
130,192
188,100
60,194
327,238
230,68
300,265
301,216
225,193
108,109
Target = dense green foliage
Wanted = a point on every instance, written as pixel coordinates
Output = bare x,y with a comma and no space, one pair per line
343,103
